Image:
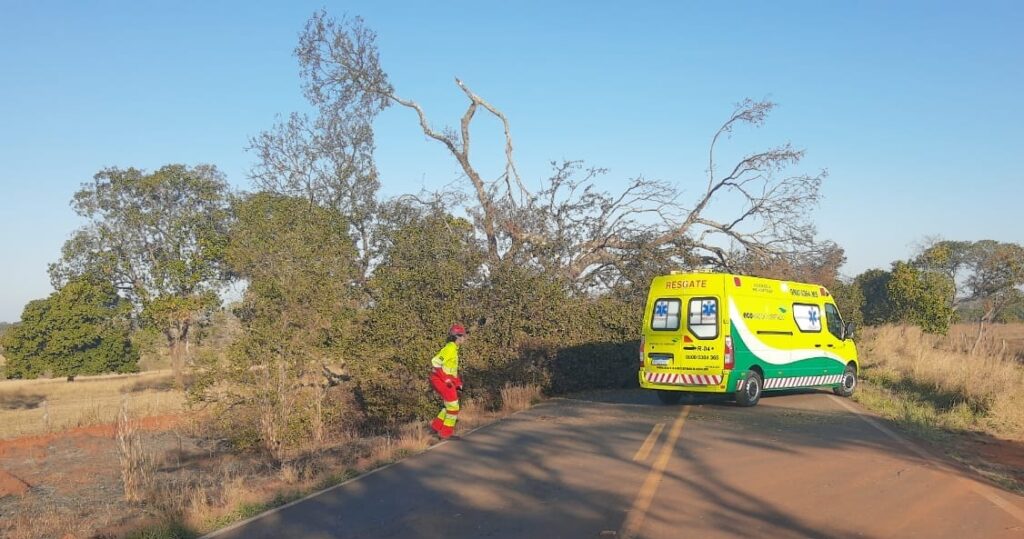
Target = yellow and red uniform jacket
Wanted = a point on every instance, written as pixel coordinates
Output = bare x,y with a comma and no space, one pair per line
446,364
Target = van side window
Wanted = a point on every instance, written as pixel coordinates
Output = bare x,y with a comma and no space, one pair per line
666,315
703,319
808,317
834,321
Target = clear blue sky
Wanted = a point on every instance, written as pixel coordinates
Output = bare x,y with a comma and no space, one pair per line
914,107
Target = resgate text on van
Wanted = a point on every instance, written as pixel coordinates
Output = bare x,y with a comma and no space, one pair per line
692,283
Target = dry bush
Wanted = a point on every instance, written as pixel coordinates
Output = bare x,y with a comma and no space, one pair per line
999,339
41,520
199,509
136,465
168,496
472,415
979,391
21,400
90,414
519,397
382,451
236,490
413,438
289,473
160,383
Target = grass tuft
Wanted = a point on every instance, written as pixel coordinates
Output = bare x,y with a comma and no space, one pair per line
519,397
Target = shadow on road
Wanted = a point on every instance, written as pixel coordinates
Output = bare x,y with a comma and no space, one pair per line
565,469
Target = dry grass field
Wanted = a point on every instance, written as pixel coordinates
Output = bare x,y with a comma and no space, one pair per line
958,389
964,399
52,405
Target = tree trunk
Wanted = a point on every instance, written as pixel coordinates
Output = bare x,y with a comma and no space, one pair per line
981,327
177,361
177,342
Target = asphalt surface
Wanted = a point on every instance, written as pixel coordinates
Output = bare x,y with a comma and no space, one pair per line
617,464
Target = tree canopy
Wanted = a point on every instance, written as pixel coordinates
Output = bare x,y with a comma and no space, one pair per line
158,238
80,329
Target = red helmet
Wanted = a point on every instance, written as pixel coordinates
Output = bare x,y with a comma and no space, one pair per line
457,330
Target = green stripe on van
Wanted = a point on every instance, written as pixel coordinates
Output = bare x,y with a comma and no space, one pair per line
746,358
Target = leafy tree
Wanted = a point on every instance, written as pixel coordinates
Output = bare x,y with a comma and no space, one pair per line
987,275
80,329
159,238
850,299
997,272
428,278
326,158
4,326
874,288
297,317
921,297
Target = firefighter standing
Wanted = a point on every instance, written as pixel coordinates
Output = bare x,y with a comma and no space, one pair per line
444,378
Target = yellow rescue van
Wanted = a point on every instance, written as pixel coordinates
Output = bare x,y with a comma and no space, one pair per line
741,335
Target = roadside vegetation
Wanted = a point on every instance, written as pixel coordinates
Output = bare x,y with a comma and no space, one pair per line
316,370
927,381
163,499
953,391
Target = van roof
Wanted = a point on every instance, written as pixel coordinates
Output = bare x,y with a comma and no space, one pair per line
733,281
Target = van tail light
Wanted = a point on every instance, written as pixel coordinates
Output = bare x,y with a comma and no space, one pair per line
642,340
729,359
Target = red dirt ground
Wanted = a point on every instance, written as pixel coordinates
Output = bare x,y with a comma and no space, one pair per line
34,444
995,454
71,476
11,485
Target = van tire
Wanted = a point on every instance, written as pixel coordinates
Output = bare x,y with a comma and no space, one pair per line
750,394
848,383
669,397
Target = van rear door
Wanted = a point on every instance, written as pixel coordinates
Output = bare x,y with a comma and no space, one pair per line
684,335
663,338
703,342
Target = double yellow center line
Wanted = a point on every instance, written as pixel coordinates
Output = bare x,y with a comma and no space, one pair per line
638,512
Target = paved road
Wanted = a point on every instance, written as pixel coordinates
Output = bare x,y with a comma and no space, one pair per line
615,464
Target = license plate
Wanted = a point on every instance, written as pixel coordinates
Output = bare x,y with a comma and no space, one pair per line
660,361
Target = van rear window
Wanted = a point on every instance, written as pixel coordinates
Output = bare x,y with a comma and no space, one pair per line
666,315
703,319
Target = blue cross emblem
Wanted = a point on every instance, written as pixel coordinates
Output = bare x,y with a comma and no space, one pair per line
813,317
661,308
708,309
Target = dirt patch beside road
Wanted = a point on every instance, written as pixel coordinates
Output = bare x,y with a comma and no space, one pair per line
68,484
1000,461
10,485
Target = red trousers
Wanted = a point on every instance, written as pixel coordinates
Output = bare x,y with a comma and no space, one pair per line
444,423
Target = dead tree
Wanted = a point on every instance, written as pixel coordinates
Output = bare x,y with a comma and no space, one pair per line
754,207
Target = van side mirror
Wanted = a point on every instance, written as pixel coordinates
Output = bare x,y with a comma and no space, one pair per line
848,334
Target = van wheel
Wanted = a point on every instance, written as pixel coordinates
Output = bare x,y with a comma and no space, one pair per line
848,383
751,392
669,397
